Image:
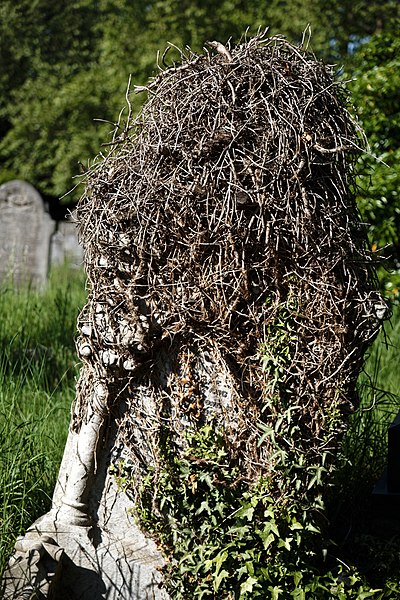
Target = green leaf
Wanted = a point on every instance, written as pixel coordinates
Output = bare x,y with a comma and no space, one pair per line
285,543
362,595
241,571
208,565
220,559
250,568
246,511
297,577
218,579
311,527
239,532
204,507
270,527
296,525
275,591
267,540
247,586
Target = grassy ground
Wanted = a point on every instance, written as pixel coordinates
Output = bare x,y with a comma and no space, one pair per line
364,534
37,370
38,366
379,388
383,365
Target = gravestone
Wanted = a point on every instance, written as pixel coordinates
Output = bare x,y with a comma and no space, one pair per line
64,244
201,233
25,232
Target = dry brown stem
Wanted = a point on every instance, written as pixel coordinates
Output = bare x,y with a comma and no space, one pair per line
226,206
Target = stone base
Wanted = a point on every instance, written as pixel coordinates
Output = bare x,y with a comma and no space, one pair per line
115,569
66,562
70,554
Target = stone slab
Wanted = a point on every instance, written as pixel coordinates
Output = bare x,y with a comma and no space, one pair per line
25,232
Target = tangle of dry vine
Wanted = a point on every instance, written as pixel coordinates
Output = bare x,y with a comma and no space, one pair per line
224,208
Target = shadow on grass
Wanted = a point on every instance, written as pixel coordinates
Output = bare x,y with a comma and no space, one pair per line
363,532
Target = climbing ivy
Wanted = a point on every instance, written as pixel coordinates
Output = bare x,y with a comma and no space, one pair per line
225,538
229,538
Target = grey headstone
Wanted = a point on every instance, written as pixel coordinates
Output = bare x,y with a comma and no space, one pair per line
25,231
65,245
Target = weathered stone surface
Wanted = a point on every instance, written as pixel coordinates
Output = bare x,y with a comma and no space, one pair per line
30,240
87,568
25,231
35,568
65,245
101,552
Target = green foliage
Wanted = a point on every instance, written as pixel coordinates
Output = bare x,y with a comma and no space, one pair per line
60,69
276,353
230,540
282,535
225,537
38,366
375,93
57,79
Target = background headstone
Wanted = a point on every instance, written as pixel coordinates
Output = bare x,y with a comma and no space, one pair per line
25,231
65,245
30,240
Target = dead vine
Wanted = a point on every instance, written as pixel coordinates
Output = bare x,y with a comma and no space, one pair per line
223,214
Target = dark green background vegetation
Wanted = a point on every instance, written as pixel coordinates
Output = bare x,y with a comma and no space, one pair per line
65,66
62,66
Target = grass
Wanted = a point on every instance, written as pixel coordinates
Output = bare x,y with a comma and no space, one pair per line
362,533
379,388
383,363
38,367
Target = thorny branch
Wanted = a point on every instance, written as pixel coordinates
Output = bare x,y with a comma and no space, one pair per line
223,214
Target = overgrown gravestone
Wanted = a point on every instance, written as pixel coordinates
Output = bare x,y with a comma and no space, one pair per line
25,232
231,300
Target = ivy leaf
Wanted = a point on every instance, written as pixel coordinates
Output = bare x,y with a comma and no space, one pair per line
246,511
239,532
271,528
247,586
218,579
241,571
208,564
219,560
285,543
275,591
250,567
206,477
204,506
267,539
312,528
363,595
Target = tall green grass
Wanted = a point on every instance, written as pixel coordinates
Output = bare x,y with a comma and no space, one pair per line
38,366
356,522
383,365
379,389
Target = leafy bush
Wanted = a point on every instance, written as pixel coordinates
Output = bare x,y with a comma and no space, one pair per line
375,93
